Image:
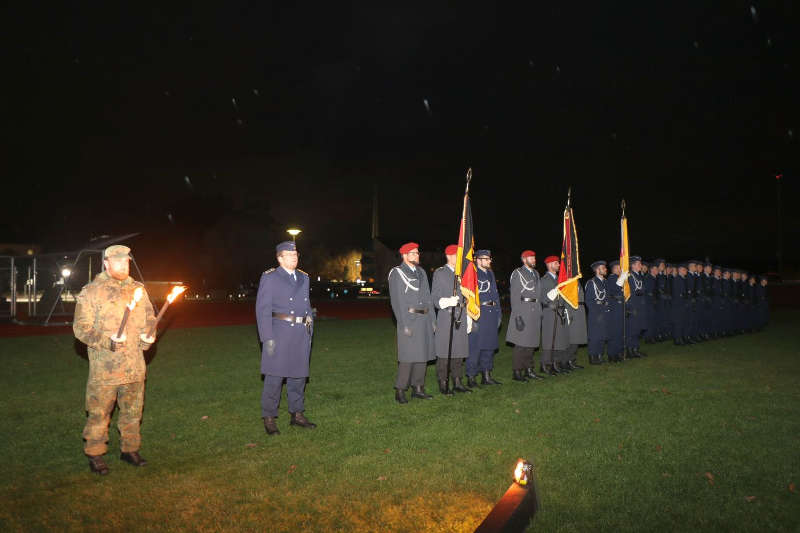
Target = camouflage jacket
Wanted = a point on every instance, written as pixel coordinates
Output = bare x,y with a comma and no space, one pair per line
98,313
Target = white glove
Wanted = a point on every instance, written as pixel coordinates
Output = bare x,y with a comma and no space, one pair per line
147,340
552,294
446,302
469,324
119,340
621,279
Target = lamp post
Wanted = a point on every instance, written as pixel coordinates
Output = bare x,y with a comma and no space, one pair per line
294,232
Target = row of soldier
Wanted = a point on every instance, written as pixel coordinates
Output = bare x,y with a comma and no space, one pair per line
690,302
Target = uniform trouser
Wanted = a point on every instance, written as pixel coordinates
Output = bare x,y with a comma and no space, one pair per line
410,374
100,400
570,354
479,359
271,395
456,367
522,357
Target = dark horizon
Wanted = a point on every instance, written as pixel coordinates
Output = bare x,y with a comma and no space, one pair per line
212,131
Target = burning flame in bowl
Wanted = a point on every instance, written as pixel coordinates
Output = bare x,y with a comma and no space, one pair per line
175,292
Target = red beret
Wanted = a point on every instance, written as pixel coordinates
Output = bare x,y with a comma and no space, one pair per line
551,258
451,250
528,253
407,247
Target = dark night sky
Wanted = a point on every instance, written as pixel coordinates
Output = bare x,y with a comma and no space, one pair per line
288,114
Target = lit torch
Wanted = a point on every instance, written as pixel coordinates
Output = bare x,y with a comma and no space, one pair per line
177,290
137,295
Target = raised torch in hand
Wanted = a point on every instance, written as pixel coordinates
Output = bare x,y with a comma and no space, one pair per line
150,337
119,338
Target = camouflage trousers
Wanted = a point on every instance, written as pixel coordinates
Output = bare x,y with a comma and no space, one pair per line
100,400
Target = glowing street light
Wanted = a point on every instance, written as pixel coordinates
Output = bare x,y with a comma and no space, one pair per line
294,232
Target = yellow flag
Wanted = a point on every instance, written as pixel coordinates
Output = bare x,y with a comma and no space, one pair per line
624,256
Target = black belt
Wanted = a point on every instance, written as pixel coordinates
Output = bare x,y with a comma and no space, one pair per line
288,318
418,311
488,303
528,299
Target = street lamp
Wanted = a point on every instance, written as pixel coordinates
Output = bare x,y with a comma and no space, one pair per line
294,232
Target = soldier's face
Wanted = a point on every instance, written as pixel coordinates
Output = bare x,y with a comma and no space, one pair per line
717,273
662,267
601,270
736,276
682,271
707,270
485,262
653,271
117,267
412,257
288,259
552,266
451,260
726,275
636,266
763,282
529,261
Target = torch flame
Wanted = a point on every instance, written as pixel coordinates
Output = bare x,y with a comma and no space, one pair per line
137,295
175,292
518,471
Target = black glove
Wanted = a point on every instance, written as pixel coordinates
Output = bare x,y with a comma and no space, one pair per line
519,323
270,344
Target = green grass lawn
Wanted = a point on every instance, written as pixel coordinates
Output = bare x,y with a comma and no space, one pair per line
705,437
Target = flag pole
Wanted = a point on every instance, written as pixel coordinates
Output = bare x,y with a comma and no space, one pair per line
555,304
624,302
456,285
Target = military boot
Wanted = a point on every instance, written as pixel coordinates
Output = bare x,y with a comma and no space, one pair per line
487,379
419,393
574,364
270,426
298,419
458,386
532,375
133,458
444,388
472,382
97,465
400,396
550,371
517,375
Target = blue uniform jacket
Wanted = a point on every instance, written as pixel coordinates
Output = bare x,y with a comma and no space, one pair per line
598,308
489,322
279,293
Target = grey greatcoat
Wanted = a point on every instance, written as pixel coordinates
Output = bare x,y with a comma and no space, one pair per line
549,317
408,289
577,319
525,324
442,287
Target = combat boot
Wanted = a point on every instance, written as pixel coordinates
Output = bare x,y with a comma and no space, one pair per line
133,458
298,419
400,396
270,426
419,393
532,375
487,379
472,382
458,386
97,465
443,387
575,365
550,371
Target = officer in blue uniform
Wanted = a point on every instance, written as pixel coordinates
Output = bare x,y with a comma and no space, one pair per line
483,339
681,303
616,298
651,294
598,313
717,303
283,314
762,302
706,311
662,299
727,302
637,308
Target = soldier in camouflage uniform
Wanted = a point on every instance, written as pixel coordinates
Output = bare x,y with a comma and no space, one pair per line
116,364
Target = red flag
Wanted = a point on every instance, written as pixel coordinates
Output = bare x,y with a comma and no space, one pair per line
465,265
570,271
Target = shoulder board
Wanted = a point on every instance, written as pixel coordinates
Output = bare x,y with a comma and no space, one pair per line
442,267
271,270
302,272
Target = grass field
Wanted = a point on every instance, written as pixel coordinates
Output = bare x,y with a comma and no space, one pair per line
705,437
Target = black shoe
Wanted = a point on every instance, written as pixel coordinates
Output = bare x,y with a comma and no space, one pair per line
532,375
400,396
561,369
595,360
472,382
632,354
550,371
298,419
133,458
458,386
517,375
487,379
443,388
97,465
575,364
639,353
270,426
419,393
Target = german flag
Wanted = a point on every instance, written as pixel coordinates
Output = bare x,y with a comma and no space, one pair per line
624,254
570,271
465,265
